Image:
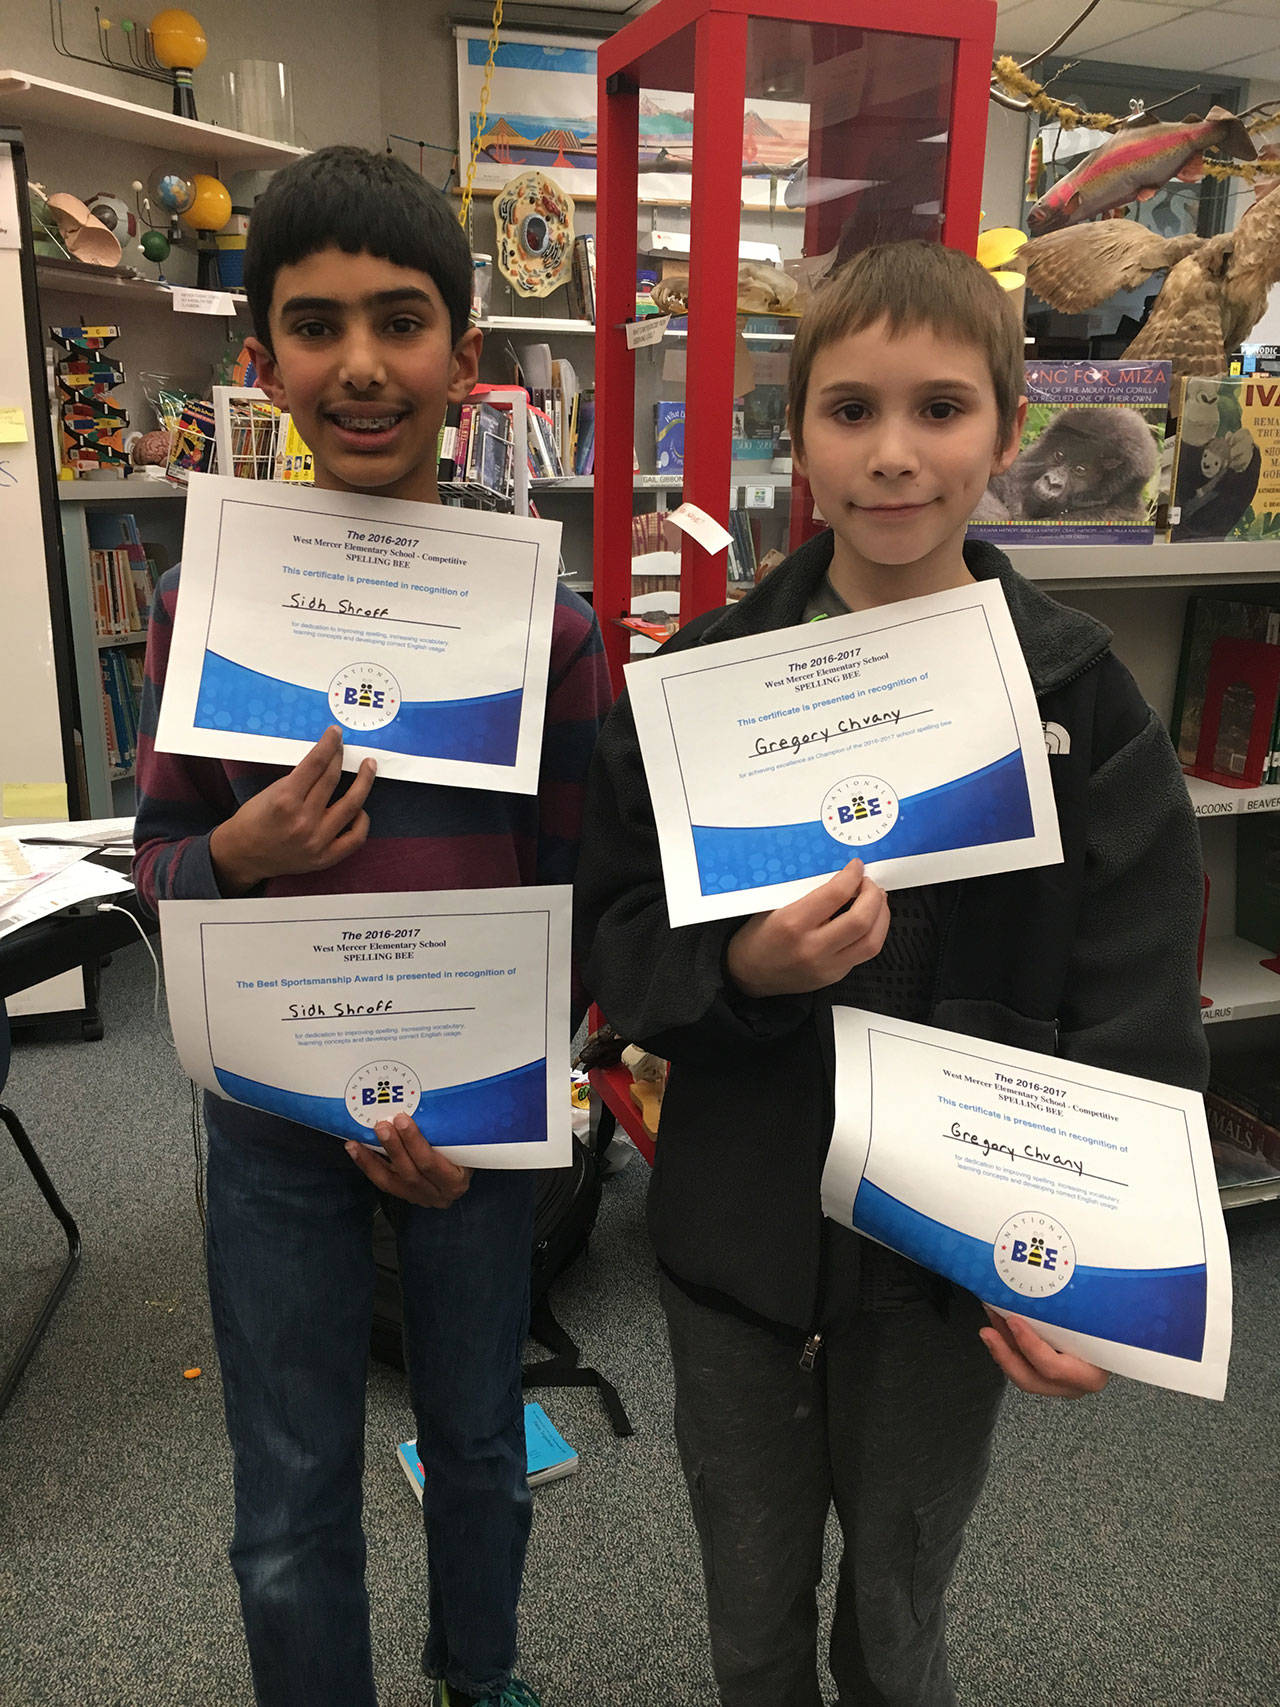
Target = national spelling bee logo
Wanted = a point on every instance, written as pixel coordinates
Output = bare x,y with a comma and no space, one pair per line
364,696
381,1090
859,810
1034,1255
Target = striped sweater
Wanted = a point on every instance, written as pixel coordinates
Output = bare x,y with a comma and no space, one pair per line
422,836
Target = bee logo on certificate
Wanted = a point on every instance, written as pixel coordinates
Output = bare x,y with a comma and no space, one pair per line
1034,1255
364,696
860,810
380,1089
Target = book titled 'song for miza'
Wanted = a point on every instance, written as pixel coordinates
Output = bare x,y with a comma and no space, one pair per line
1088,467
547,1453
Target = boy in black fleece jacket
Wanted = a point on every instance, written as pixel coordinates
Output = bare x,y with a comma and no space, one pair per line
811,1364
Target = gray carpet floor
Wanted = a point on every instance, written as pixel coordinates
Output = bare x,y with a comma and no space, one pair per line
1126,1554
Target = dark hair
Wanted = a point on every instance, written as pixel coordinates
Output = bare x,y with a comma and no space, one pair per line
362,203
910,285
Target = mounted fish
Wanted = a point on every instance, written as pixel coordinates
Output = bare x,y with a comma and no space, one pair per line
1135,164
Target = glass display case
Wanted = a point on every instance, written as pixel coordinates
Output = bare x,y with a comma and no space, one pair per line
793,141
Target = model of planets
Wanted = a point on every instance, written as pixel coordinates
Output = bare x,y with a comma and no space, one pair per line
110,211
155,246
178,39
211,208
170,191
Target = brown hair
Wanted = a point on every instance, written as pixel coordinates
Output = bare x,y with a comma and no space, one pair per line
909,285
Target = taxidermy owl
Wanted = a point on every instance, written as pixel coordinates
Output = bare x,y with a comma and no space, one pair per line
1215,293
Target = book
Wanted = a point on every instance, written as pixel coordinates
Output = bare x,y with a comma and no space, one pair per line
584,250
564,385
461,447
1244,1147
448,446
1088,467
1258,880
759,419
1226,464
669,437
1232,613
1242,1109
543,445
547,1453
584,456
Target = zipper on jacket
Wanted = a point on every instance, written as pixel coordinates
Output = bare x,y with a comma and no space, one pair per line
1084,669
812,1346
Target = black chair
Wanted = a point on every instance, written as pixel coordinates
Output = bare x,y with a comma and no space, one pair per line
27,1151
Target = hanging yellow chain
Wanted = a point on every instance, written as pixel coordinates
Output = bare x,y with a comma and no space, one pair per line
464,212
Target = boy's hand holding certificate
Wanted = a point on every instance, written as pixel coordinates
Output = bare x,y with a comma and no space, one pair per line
424,632
1081,1199
906,736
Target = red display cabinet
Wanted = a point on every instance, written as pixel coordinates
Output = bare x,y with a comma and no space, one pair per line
894,103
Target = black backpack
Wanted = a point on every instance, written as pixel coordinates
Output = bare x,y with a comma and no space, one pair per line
566,1203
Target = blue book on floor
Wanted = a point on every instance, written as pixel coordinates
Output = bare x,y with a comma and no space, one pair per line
547,1452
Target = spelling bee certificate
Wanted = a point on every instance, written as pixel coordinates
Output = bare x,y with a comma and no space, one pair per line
423,631
1082,1199
907,736
340,1011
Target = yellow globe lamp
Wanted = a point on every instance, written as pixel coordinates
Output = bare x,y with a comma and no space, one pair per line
211,208
179,44
178,39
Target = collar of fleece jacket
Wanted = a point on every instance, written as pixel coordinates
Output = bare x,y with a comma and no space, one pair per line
1056,642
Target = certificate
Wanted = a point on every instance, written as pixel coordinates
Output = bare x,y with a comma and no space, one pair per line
339,1011
1085,1200
907,736
423,631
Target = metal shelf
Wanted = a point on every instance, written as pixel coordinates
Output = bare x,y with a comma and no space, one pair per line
652,482
1237,982
1244,1192
1211,800
116,491
1194,564
78,279
532,323
25,99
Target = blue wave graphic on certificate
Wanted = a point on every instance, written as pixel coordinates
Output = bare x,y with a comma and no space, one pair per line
484,730
989,805
1161,1309
509,1108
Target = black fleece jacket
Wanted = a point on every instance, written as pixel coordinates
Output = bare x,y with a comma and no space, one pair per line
1093,959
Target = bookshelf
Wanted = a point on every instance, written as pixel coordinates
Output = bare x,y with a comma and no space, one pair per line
110,787
1141,594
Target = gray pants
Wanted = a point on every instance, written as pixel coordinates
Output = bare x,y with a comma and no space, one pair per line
894,1423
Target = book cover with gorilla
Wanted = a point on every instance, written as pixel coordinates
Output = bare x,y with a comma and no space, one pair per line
1088,470
1226,470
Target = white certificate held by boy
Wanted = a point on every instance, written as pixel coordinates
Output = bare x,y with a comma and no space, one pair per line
1082,1199
422,631
907,736
344,1011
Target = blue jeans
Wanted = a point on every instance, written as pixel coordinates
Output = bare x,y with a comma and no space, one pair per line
291,1287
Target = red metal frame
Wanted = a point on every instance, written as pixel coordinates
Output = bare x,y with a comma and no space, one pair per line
657,50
